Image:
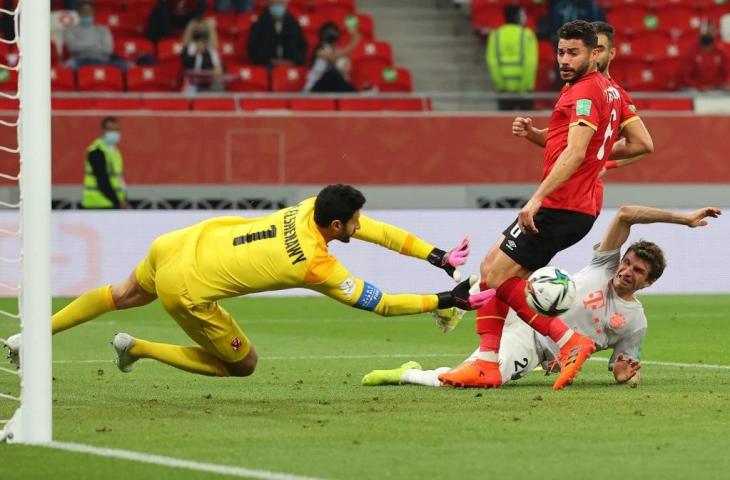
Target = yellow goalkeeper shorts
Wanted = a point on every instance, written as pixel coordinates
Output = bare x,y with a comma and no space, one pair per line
208,324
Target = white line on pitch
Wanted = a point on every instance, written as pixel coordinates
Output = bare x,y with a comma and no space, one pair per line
430,355
175,462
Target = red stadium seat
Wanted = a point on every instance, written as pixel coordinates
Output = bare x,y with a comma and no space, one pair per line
248,78
332,9
407,104
365,78
678,18
72,103
166,104
100,79
629,19
8,80
118,103
372,54
233,51
648,45
9,104
219,104
312,104
226,24
62,79
295,7
122,23
244,22
310,23
486,15
546,55
151,79
361,104
669,71
253,104
132,48
395,79
288,79
713,10
169,53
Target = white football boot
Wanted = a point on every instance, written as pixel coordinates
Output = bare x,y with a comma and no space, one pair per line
122,342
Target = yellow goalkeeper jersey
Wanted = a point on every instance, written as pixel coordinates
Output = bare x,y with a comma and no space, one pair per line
232,256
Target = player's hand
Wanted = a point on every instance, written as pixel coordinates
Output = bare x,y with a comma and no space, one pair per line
625,368
526,218
460,296
521,126
602,172
448,261
448,318
696,218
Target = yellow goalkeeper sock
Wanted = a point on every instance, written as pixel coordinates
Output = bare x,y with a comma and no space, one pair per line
190,359
86,307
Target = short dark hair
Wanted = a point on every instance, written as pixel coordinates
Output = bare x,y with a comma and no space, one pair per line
107,120
579,30
603,28
337,202
512,13
651,254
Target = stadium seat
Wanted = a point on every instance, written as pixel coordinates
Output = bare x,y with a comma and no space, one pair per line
627,48
132,49
166,104
253,104
310,23
128,24
218,104
312,104
226,24
486,15
333,9
247,78
669,71
365,78
233,51
151,79
100,79
244,22
72,103
546,55
713,10
62,79
407,104
8,80
288,79
169,53
649,45
629,19
9,104
361,104
395,79
678,18
295,7
372,54
120,103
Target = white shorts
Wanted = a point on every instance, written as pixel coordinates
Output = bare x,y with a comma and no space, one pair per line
519,353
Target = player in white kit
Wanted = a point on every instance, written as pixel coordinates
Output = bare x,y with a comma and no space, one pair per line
605,308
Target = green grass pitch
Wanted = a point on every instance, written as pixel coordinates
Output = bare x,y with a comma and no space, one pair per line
304,411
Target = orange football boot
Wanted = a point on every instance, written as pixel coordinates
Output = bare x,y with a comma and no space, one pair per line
476,374
571,358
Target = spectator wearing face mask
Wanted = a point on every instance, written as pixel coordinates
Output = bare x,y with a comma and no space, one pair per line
88,43
331,66
104,185
276,38
200,59
706,67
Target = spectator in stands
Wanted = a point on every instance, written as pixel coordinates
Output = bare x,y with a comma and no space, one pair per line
104,185
169,17
331,66
200,60
706,67
88,43
512,59
564,11
276,38
201,25
239,6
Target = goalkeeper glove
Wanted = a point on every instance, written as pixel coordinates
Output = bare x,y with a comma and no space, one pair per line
460,296
448,261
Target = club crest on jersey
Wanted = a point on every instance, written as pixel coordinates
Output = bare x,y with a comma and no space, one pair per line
583,106
612,94
236,344
617,321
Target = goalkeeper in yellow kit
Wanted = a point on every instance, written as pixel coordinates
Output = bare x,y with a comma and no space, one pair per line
189,270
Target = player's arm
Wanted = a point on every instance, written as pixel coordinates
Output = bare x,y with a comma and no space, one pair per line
405,243
355,292
636,143
626,370
620,227
625,359
522,127
579,136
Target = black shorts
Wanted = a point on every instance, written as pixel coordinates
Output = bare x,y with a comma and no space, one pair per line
559,229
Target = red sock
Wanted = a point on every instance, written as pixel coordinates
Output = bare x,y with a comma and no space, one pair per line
512,292
490,321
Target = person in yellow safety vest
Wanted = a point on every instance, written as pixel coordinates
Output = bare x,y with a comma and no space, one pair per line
104,185
512,51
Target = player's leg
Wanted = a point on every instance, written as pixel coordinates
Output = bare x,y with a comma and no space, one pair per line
397,376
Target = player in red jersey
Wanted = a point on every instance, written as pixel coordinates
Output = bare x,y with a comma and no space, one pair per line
584,125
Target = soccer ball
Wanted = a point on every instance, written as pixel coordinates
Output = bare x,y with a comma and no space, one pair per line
550,291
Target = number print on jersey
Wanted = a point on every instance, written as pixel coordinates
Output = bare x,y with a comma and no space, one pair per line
252,237
607,135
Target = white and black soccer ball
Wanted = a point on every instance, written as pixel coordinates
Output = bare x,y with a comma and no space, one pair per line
550,291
